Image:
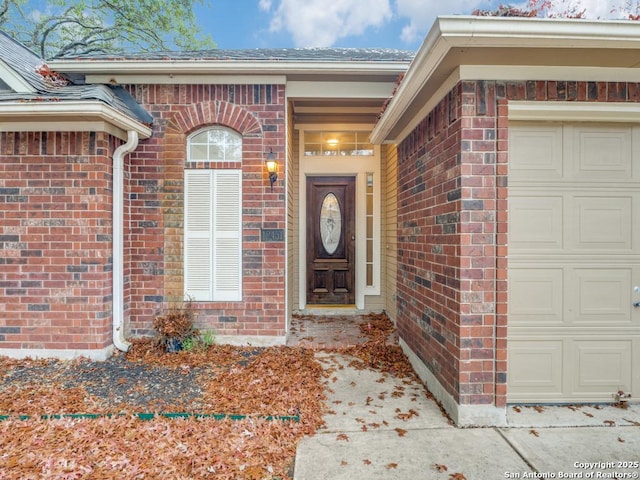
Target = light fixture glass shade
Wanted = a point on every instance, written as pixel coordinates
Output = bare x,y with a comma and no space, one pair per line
272,165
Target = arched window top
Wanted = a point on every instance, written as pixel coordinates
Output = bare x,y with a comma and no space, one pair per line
215,144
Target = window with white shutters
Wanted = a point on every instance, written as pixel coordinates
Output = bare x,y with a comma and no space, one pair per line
213,234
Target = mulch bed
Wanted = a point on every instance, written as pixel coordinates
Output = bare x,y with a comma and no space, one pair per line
142,380
257,384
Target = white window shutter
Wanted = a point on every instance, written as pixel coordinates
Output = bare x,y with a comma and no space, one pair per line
198,248
227,241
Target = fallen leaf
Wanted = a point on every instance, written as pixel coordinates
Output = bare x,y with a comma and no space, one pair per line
538,408
344,463
401,432
441,468
534,433
457,476
391,465
517,409
343,437
588,414
621,440
609,423
366,461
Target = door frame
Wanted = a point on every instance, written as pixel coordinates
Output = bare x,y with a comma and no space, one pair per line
337,166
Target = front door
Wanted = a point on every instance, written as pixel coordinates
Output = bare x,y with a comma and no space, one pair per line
331,240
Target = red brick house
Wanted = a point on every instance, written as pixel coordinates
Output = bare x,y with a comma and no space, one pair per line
489,210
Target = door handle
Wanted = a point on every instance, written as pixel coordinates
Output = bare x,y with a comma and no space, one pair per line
636,304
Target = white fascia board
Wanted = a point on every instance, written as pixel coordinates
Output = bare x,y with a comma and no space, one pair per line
352,90
178,79
538,32
448,33
431,53
15,81
445,87
224,67
51,116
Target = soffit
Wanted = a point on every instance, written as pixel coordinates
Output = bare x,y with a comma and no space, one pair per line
583,50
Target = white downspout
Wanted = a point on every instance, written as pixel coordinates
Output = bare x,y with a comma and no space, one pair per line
118,239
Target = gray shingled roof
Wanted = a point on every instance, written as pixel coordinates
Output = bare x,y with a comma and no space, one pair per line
269,55
29,65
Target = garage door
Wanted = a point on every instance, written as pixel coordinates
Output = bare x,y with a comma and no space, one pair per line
574,262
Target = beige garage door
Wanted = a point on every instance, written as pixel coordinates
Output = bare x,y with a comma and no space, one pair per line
574,262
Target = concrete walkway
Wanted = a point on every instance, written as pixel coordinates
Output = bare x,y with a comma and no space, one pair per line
382,427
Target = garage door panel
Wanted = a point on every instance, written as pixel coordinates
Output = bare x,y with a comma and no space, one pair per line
574,263
535,368
601,223
601,153
603,296
538,153
536,296
601,366
535,222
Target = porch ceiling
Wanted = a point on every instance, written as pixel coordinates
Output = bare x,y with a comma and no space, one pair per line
336,110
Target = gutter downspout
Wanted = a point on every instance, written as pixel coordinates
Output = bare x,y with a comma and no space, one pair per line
118,239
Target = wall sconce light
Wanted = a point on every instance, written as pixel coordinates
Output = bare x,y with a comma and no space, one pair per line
272,167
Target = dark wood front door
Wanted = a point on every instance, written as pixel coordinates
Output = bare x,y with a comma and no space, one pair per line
331,240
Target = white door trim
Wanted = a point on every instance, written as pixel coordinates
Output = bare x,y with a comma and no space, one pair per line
357,166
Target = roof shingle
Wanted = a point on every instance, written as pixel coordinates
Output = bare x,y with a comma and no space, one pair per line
33,70
268,55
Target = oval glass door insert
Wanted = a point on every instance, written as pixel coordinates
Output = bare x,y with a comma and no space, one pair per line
330,223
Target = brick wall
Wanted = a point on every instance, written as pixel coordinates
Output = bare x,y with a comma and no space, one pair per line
156,197
452,238
55,240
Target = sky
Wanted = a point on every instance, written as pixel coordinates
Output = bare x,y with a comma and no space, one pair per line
400,24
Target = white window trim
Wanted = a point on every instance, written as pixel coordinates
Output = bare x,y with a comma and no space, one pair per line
227,130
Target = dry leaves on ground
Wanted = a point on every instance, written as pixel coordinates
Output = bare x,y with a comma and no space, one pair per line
277,381
162,448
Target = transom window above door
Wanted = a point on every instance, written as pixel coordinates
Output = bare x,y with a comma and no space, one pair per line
337,143
217,144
